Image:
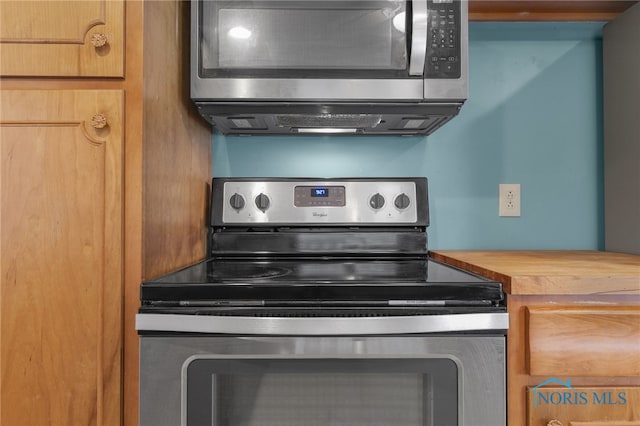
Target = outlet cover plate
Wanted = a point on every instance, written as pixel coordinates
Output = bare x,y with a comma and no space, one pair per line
509,200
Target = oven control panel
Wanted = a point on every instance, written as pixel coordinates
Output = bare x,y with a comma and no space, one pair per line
332,201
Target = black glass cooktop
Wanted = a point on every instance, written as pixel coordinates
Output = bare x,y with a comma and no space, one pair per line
320,282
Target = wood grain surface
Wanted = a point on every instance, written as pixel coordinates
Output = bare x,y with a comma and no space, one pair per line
61,257
169,163
54,38
518,377
552,271
167,158
575,341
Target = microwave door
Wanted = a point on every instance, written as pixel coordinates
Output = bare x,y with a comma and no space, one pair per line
302,50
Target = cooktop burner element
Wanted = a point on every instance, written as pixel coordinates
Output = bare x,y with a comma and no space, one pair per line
244,271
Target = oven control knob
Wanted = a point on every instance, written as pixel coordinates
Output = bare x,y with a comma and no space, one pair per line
402,201
237,201
376,201
262,202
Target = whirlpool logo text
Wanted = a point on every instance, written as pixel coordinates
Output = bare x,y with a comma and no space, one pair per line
570,396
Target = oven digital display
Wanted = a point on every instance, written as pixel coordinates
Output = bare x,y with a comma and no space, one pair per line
319,196
319,192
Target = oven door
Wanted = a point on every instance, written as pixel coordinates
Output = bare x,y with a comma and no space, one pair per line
328,50
194,380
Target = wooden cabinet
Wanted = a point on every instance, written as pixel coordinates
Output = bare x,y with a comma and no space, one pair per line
87,213
574,341
61,258
589,342
584,342
62,38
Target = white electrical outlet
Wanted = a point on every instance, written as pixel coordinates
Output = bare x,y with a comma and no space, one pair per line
509,199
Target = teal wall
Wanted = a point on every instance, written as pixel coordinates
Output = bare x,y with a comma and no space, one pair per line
533,117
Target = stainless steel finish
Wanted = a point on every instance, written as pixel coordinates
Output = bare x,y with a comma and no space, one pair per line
299,89
449,89
481,361
355,210
433,100
271,89
621,68
181,351
419,37
276,326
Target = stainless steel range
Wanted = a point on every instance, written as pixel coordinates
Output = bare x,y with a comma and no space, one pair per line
319,305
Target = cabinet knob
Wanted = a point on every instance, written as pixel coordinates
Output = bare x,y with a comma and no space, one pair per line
99,39
98,121
555,422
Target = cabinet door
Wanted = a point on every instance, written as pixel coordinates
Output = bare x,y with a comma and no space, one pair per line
574,341
62,38
60,257
582,406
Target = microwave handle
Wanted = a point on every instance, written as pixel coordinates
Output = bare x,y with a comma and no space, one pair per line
418,37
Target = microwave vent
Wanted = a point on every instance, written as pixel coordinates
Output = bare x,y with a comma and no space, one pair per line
246,118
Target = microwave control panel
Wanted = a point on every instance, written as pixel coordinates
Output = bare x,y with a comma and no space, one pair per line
443,39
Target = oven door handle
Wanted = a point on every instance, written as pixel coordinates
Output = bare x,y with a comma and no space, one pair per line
418,37
328,326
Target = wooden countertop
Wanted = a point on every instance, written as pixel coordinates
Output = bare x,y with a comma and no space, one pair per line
553,272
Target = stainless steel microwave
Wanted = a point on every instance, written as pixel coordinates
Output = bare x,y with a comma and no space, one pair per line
329,66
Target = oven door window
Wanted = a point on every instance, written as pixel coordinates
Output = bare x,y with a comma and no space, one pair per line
320,392
316,39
